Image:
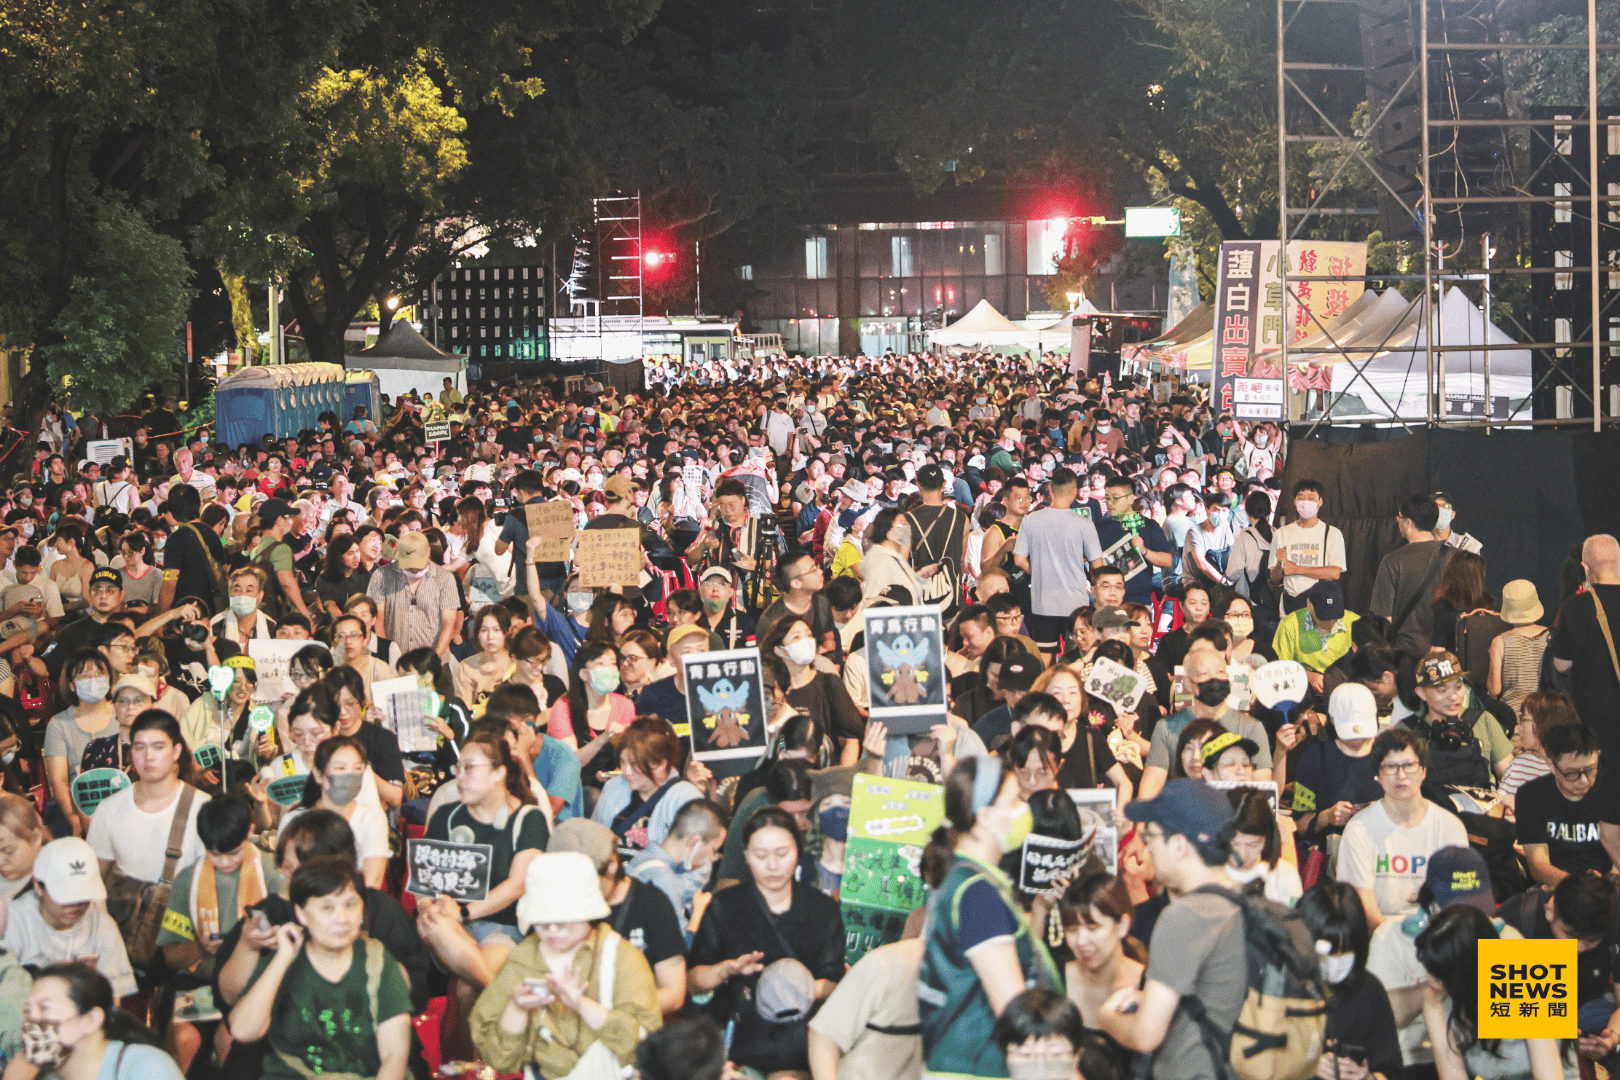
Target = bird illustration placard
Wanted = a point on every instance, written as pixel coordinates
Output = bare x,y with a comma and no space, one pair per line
905,668
725,704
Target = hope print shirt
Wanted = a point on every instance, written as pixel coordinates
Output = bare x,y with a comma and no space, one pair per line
1568,828
1379,855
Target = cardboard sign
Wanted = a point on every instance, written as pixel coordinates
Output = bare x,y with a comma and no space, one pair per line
90,788
287,790
1046,861
1099,830
1116,684
692,477
905,668
439,868
436,431
551,523
889,825
1123,554
1280,685
1267,786
609,557
406,707
271,658
725,704
208,755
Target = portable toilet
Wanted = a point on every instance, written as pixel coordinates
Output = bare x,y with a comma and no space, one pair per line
277,399
360,388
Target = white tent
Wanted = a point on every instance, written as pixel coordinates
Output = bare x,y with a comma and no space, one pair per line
984,325
1060,335
404,360
1394,382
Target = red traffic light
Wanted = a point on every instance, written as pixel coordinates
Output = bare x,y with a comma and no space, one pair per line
654,259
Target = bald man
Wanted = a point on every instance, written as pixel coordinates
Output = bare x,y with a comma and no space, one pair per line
1204,664
1579,645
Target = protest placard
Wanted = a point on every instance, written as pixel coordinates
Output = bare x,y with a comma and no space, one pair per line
271,657
101,451
725,703
1280,685
609,557
406,707
436,431
1099,830
1116,684
1124,554
551,524
1267,786
1047,860
905,668
93,786
440,868
287,790
889,825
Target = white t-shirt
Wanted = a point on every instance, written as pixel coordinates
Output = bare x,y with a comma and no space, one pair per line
1392,956
1304,546
370,830
1392,861
36,942
135,841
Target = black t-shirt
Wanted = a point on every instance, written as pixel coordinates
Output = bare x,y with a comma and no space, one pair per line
825,699
1083,769
382,752
646,920
1359,1015
1577,637
186,555
1324,774
1568,828
532,832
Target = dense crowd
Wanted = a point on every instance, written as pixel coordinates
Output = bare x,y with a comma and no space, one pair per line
176,906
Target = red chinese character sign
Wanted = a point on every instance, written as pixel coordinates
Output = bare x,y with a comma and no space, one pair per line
1252,314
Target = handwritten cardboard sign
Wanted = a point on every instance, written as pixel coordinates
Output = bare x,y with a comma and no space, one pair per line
1116,684
440,868
609,557
551,524
271,659
436,430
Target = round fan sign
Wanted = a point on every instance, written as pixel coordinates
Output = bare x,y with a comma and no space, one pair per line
207,756
93,786
287,790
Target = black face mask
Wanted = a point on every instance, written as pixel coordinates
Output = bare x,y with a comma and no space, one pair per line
1212,692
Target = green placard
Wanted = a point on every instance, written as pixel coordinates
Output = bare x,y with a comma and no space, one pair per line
890,822
90,788
896,811
287,790
207,756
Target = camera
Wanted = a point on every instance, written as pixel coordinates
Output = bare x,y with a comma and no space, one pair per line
196,632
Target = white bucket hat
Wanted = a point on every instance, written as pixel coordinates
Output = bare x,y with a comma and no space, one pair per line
560,888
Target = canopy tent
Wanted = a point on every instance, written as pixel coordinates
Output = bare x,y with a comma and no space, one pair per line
404,360
1200,353
1395,380
984,325
1195,324
1060,335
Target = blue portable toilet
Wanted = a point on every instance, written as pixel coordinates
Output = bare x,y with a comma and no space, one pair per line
360,388
278,400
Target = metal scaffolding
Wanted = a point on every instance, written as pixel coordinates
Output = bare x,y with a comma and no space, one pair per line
1441,204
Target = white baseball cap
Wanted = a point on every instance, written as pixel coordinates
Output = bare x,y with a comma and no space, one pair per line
1354,711
70,872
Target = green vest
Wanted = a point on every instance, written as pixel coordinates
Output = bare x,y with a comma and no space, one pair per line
956,1016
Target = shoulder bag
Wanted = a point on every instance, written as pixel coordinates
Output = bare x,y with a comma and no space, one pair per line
137,906
1608,634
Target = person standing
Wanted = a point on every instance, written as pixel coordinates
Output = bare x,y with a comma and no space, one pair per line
1056,546
939,530
419,601
1307,549
1123,519
1409,575
1584,641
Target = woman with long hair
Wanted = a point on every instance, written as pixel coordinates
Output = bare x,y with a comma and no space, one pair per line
335,781
1448,949
1461,593
817,694
1257,863
453,718
311,719
489,576
1189,759
72,1027
1359,1013
610,616
89,723
492,664
978,952
1084,758
593,711
341,575
70,571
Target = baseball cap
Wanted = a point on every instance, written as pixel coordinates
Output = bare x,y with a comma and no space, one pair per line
590,838
69,871
1111,618
785,991
1327,600
1440,668
1018,675
721,572
412,551
1189,807
1225,741
1354,711
620,487
108,575
271,509
1456,875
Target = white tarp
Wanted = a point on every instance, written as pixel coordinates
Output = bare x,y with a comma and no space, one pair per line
984,325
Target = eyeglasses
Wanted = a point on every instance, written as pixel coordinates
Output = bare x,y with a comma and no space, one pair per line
1589,773
1400,768
627,657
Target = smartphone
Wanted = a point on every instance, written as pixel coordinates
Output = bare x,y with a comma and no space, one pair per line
1357,1054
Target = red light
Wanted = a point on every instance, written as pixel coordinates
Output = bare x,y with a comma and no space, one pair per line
654,259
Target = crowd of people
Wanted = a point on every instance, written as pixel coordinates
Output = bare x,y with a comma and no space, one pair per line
170,909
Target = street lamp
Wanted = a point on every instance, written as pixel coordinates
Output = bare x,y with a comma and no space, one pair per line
1074,299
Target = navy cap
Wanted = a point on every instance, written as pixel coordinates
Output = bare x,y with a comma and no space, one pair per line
1327,600
1189,807
1459,875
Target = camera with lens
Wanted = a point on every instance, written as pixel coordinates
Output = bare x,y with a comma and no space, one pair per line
196,632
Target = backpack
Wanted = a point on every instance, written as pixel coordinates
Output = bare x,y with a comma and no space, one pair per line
1281,1027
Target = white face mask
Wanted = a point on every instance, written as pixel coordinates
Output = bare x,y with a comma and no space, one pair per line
1446,516
1306,508
1337,967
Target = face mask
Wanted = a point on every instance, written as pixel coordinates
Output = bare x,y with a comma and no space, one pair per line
1306,508
1105,428
344,788
1337,968
604,680
28,526
1212,692
1041,1069
712,606
1446,515
92,689
980,400
1261,440
1200,515
801,652
1166,440
1241,627
43,1046
1018,831
1218,515
243,606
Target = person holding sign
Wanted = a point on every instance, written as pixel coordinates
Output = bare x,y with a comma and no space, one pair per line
225,723
325,966
339,774
311,720
472,939
89,717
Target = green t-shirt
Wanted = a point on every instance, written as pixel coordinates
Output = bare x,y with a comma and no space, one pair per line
281,556
177,919
329,1026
